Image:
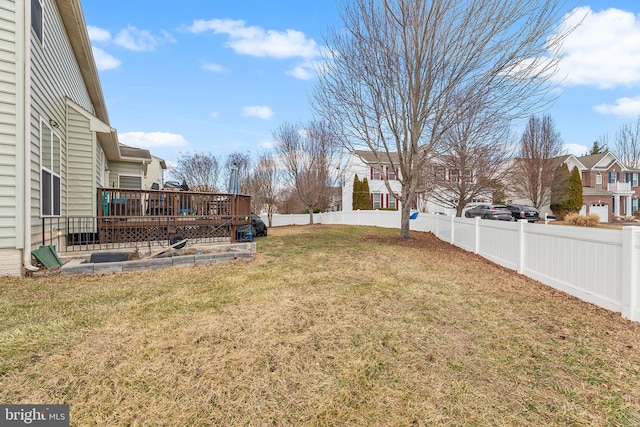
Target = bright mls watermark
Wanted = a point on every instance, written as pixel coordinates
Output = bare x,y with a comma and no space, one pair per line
34,415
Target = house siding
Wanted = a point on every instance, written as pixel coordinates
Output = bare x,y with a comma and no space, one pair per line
10,262
356,166
81,197
55,76
11,130
123,168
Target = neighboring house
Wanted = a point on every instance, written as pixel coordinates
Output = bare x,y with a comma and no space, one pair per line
155,173
56,143
364,164
436,177
609,188
441,184
334,199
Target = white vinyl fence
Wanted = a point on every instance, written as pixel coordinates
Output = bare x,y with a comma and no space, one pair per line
596,265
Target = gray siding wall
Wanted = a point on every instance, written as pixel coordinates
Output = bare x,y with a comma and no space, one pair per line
124,168
80,168
55,75
11,126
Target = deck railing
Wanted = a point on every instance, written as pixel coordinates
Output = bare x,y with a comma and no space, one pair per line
134,218
116,202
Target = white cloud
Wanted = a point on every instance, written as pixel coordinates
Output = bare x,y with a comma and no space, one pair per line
624,107
575,149
301,72
603,50
256,41
152,139
104,61
213,67
260,111
97,34
215,115
137,40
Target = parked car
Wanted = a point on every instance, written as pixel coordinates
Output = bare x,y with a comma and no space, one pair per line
499,212
529,213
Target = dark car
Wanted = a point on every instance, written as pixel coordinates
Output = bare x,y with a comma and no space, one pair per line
499,212
529,213
258,225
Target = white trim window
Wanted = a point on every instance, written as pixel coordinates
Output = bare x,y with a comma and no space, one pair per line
392,202
375,173
37,18
377,200
50,169
391,173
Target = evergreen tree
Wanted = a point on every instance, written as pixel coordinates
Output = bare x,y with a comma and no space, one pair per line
597,148
357,187
566,193
365,196
574,200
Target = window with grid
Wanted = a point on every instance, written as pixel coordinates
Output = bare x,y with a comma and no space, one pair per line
391,173
50,164
377,200
392,202
375,173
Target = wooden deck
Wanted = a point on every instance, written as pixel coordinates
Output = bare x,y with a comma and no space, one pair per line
149,215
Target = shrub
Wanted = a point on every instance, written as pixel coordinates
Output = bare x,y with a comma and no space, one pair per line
636,213
591,220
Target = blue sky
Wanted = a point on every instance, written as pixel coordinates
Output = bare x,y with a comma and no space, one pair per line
219,76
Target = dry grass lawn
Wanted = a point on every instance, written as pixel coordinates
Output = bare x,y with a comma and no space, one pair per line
327,326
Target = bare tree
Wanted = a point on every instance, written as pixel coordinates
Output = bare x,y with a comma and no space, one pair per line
627,145
264,185
473,157
309,157
393,69
532,173
242,161
200,171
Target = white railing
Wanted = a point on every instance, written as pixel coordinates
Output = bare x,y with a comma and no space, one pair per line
596,265
619,186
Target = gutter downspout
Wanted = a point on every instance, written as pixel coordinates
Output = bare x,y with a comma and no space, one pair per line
26,251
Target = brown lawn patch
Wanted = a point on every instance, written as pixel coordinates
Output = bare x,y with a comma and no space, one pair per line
329,325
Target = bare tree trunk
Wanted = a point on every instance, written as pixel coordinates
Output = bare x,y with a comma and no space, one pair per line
405,220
